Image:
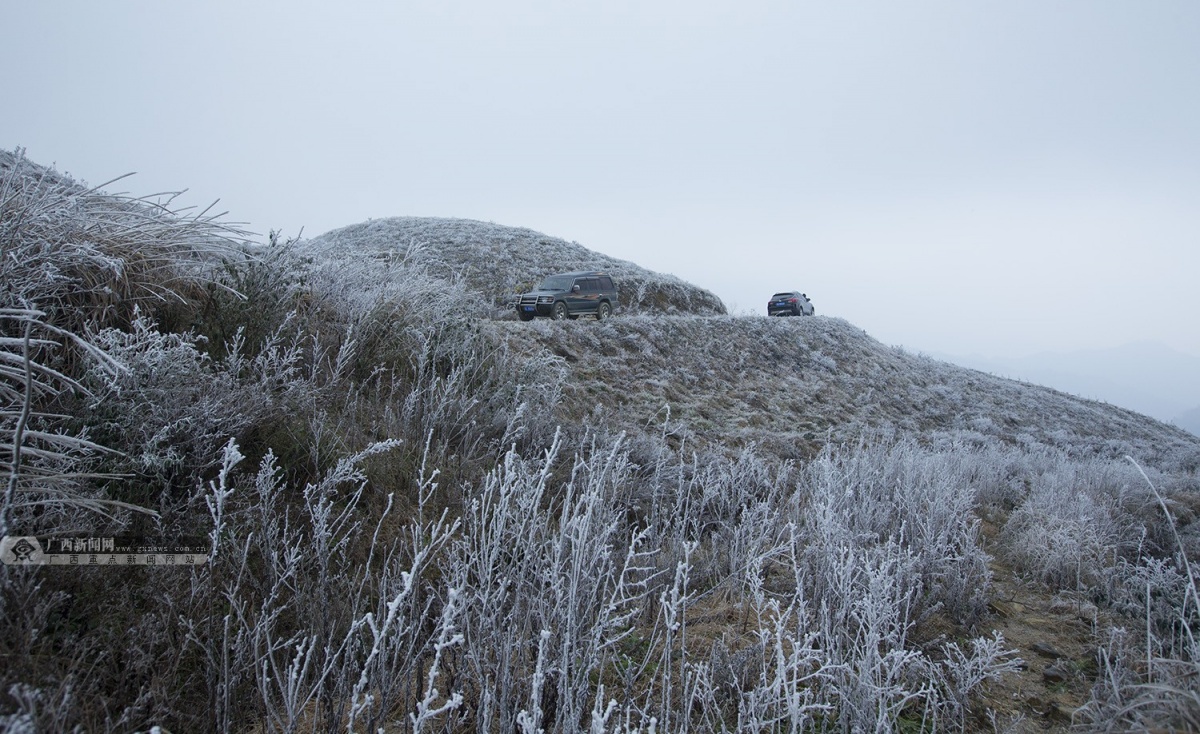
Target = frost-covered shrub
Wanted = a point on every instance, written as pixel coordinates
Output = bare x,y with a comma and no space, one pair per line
1156,591
1061,536
323,620
253,292
1154,685
49,465
885,536
730,507
921,502
170,407
552,585
1081,520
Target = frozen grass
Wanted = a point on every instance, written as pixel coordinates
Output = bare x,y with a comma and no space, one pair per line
792,385
1164,695
74,260
427,520
89,258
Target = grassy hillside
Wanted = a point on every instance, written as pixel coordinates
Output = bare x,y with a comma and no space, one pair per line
793,385
427,516
787,384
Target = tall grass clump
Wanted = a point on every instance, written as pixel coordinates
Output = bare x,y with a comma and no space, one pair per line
73,261
892,492
1155,686
89,259
46,469
1080,524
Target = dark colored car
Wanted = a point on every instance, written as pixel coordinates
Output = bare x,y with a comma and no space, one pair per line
569,296
790,303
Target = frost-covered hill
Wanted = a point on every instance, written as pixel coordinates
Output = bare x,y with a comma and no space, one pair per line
672,358
426,515
793,384
497,261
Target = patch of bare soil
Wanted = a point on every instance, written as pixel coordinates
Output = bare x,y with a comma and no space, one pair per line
1055,634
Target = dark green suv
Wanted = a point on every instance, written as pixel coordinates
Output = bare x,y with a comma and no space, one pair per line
569,296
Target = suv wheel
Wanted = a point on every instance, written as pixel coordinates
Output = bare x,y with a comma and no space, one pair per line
560,311
604,311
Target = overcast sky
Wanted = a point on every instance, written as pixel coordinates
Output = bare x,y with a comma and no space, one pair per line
998,178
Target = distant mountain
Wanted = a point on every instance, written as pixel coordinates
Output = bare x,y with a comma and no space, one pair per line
1144,376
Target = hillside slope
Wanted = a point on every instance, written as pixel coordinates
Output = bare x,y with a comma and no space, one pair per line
791,385
674,359
497,261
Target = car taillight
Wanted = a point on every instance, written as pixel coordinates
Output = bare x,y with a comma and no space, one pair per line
791,300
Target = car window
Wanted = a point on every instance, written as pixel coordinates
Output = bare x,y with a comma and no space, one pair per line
555,284
606,284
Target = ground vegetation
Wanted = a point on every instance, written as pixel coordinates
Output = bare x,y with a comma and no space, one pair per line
426,516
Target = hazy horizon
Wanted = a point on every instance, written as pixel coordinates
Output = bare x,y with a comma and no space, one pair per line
1006,180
